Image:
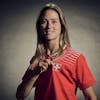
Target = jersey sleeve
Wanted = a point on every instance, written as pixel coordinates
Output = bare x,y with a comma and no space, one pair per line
85,78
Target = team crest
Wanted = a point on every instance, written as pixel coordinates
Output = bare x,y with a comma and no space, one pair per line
57,67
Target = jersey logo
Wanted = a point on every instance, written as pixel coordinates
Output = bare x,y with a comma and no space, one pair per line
57,67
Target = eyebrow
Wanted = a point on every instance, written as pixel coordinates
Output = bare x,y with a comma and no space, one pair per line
50,19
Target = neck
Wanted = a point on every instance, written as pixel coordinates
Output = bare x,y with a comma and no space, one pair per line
52,46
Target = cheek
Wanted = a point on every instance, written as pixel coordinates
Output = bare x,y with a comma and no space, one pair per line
43,26
58,27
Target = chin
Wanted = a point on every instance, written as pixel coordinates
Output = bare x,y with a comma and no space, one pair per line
49,39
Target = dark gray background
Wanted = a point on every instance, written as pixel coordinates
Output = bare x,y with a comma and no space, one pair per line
18,38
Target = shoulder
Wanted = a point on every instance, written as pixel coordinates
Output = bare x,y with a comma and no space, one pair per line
71,55
69,51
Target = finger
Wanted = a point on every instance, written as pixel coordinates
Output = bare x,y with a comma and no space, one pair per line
50,62
42,58
43,69
43,62
43,66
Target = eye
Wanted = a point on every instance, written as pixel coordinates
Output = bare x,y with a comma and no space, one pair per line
54,21
43,21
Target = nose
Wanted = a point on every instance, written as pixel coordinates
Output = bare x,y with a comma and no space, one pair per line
49,25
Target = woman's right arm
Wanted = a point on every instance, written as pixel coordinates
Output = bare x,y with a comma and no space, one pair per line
26,85
30,78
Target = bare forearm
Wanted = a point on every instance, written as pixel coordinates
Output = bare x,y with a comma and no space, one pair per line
24,88
93,97
30,78
90,97
89,94
29,85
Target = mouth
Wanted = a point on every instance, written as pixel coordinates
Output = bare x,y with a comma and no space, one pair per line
49,32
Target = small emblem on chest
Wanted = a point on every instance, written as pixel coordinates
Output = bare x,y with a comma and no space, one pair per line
56,67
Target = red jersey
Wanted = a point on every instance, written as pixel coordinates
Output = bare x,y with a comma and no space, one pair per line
61,81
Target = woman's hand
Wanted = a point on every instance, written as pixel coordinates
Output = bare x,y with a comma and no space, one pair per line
40,65
44,64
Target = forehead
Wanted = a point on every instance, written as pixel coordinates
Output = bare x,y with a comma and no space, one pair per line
50,14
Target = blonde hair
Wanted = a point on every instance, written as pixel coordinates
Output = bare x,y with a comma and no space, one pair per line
64,38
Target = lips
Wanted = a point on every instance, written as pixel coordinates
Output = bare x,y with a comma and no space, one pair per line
46,32
49,32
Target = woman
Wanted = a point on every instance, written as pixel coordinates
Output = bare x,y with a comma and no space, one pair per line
56,70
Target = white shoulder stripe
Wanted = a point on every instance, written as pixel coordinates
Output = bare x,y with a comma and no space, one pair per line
70,56
66,62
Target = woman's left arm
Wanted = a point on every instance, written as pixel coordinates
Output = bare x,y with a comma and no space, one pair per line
89,93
